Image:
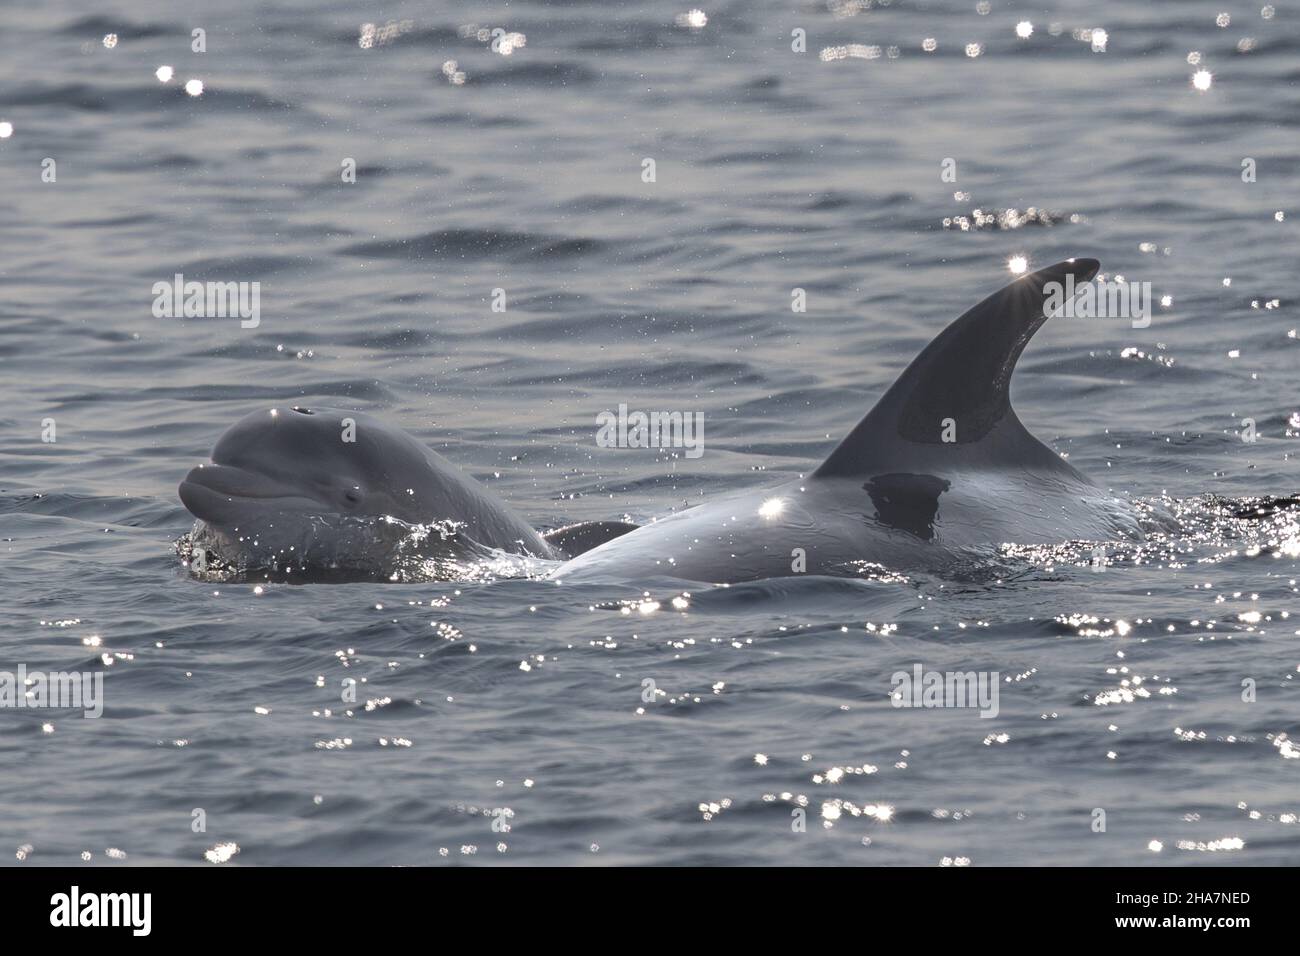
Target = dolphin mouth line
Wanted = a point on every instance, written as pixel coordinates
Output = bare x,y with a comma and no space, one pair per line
213,492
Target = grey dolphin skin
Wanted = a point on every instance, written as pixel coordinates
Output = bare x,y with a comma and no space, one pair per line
324,494
940,464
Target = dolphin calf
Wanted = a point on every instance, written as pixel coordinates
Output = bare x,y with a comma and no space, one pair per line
323,494
940,464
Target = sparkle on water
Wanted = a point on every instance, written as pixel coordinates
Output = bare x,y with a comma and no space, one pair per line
1213,534
692,20
1004,219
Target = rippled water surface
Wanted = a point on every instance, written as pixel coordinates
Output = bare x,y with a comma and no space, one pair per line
520,703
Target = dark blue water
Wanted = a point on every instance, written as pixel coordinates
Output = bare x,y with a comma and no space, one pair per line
775,170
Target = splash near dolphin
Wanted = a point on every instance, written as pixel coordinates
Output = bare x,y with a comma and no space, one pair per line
940,465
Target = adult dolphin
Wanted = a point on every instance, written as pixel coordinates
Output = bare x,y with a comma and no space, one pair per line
317,494
940,464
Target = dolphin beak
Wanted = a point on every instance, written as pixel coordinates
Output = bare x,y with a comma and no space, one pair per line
221,494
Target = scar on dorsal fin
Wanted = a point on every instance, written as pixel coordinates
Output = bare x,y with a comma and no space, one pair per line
964,376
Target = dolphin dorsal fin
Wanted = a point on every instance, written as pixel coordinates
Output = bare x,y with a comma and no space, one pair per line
964,376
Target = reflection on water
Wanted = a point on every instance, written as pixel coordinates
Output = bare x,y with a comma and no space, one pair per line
388,178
